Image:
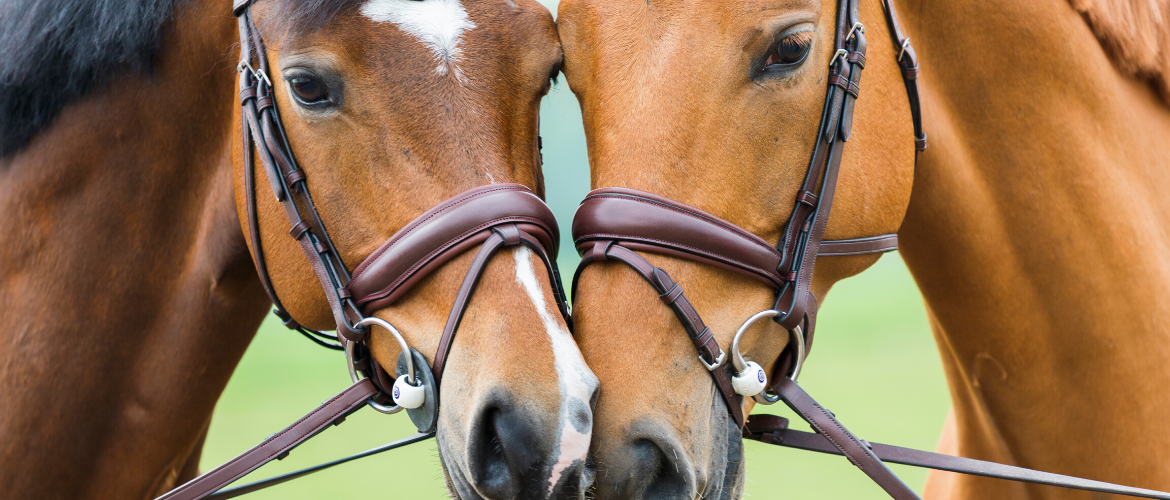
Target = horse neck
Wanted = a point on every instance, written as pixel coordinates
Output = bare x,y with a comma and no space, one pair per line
1036,233
128,293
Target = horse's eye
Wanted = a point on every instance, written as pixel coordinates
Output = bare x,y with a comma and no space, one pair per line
308,90
791,50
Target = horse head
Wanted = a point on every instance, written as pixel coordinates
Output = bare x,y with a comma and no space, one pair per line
709,126
409,122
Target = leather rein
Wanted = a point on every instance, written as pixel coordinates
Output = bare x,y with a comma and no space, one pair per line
617,223
491,217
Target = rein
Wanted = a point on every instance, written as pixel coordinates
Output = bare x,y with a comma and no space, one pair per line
617,223
490,217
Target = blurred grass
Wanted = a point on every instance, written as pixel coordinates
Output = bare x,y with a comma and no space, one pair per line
875,365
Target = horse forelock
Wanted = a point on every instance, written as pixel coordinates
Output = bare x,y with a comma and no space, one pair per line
56,52
297,18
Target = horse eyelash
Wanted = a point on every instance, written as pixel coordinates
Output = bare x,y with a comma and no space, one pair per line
796,40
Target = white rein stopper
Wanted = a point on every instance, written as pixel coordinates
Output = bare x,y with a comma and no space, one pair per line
406,395
750,381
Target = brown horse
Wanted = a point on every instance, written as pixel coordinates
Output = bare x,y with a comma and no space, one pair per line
128,288
1035,230
684,100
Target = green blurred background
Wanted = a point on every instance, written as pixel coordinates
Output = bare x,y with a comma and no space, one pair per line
875,365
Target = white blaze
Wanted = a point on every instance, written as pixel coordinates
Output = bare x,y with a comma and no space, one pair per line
574,378
438,24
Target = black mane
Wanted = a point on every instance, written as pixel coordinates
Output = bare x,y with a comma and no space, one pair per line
55,51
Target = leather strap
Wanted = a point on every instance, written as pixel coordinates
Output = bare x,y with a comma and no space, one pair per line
806,227
647,222
277,446
859,454
262,123
671,293
772,429
613,223
858,246
443,233
257,250
908,61
244,489
499,237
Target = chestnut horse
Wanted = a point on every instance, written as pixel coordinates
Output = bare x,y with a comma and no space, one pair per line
129,293
1035,230
715,106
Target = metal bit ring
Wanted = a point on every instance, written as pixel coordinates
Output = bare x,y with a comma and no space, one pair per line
349,359
796,336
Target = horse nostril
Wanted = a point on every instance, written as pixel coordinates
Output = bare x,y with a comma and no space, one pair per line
507,453
489,465
660,473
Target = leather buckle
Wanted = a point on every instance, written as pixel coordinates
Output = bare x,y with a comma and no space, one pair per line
259,75
842,53
718,361
905,44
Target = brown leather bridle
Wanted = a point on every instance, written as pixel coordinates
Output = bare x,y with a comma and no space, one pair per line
489,217
616,223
